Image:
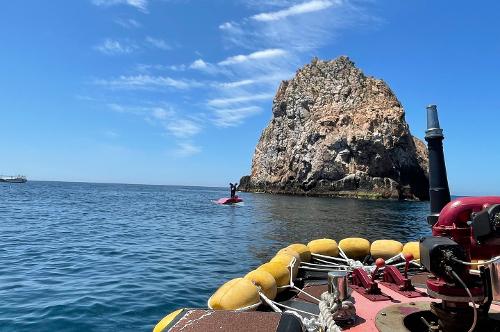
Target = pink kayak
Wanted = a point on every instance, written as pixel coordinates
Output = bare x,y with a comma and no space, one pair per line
229,200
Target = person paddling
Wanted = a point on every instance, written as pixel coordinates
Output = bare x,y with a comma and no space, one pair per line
233,189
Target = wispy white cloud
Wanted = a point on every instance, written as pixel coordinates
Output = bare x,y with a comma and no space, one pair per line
138,4
183,128
198,64
147,68
158,43
258,55
236,84
161,113
235,35
114,47
206,67
187,149
226,25
299,9
287,24
266,4
128,23
230,117
146,82
224,102
267,79
180,67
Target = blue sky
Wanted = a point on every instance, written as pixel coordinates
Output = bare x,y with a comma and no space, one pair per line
178,91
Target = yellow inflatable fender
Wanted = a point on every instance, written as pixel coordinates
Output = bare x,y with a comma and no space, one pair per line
279,271
166,321
355,247
235,294
326,247
412,248
265,281
287,260
385,249
291,252
302,250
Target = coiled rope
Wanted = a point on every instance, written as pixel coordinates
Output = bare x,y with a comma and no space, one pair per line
329,306
330,310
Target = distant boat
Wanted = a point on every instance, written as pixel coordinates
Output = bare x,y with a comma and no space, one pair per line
13,179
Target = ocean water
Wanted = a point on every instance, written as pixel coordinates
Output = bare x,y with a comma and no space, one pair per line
114,257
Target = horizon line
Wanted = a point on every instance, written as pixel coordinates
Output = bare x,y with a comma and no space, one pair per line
186,185
127,183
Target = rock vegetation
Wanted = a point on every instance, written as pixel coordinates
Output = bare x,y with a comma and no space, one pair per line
336,132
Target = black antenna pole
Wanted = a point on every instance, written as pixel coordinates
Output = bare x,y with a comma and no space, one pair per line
439,192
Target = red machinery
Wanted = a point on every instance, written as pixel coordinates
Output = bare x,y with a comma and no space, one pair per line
464,230
475,238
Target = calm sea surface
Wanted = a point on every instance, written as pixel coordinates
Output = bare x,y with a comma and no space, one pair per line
113,257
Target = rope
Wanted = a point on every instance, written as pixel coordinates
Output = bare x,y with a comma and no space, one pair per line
328,257
355,264
292,285
327,306
414,262
330,263
305,293
324,265
477,263
293,309
471,298
342,253
269,302
395,258
331,309
346,260
320,269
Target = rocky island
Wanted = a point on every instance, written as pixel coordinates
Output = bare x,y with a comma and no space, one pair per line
336,132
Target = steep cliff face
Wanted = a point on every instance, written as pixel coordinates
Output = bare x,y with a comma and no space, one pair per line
337,132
